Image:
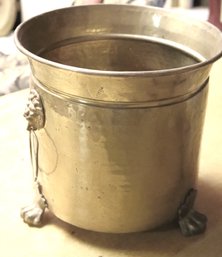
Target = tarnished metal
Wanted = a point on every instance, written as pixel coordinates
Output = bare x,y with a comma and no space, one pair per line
190,221
124,101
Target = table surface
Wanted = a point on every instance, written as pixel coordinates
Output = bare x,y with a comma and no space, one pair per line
56,238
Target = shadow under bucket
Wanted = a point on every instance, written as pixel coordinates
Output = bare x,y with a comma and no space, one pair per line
116,111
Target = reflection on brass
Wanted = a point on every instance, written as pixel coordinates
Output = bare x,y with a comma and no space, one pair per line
190,221
124,103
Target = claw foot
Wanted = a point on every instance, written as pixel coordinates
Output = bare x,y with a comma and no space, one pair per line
190,221
32,215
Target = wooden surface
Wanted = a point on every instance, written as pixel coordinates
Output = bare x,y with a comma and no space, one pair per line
56,238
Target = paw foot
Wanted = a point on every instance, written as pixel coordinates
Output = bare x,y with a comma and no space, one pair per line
32,215
193,223
190,221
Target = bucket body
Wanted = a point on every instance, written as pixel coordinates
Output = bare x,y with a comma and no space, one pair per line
124,103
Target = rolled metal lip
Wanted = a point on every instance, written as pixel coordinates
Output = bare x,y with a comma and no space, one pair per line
152,73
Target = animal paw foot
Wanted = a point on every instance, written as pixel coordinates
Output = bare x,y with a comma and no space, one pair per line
193,223
190,221
32,215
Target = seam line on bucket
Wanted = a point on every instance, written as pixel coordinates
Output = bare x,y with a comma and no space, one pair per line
118,105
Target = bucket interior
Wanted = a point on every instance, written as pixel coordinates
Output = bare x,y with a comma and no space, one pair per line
118,54
140,39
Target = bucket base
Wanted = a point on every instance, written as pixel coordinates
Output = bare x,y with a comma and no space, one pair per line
189,220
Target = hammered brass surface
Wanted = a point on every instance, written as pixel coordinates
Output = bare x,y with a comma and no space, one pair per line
119,170
60,239
120,146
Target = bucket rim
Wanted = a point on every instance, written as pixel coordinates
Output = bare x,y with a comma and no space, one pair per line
146,73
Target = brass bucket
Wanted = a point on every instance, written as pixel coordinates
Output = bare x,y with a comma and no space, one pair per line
116,113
